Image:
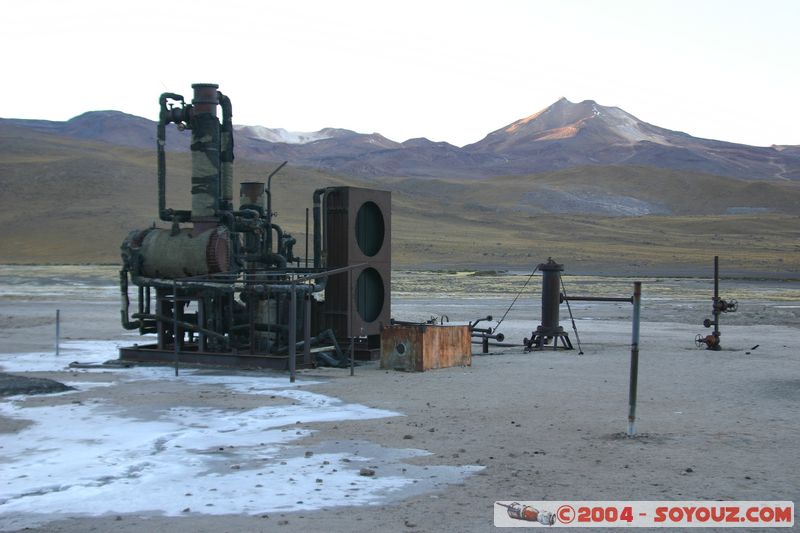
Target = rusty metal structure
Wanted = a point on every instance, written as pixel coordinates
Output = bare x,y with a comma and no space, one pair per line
549,330
718,306
222,285
421,347
485,334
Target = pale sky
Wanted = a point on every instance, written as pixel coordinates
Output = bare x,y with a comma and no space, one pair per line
446,70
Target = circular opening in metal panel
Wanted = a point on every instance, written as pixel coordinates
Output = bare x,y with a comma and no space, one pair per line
370,230
369,294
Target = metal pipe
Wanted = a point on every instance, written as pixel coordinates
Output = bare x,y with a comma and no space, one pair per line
564,298
350,325
634,377
292,335
175,323
268,216
125,301
279,233
307,330
58,329
161,139
226,151
716,311
269,200
187,325
166,116
306,254
317,227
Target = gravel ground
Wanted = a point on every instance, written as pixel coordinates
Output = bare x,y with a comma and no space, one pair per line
544,426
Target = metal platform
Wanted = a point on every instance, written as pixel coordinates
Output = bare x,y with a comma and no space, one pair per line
151,353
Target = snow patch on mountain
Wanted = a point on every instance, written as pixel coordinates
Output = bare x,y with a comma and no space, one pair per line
280,135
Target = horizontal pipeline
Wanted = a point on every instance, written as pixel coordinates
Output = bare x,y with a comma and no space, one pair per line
594,299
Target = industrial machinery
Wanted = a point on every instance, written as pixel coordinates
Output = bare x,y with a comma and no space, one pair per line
718,306
224,286
549,329
485,334
554,293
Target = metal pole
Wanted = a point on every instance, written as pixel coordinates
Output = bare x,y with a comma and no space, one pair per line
175,322
306,237
270,318
634,378
716,311
307,330
293,335
58,328
352,302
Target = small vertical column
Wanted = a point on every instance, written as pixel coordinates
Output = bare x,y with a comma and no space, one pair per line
175,340
293,335
307,330
58,329
634,377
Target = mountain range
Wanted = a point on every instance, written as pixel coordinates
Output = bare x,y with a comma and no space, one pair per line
590,185
562,136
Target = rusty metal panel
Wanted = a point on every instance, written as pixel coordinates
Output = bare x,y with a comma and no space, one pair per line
425,347
358,230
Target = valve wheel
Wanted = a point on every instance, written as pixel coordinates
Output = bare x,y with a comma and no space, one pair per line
700,341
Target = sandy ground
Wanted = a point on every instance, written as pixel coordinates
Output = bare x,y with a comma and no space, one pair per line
544,426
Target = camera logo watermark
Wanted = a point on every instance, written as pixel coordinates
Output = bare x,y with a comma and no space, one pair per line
680,514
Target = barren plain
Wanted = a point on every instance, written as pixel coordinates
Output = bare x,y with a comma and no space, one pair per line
140,449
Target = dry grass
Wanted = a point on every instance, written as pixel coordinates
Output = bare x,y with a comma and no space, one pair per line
71,201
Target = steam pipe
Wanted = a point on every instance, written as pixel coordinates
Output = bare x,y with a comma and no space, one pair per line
564,298
317,227
279,233
125,301
165,117
226,151
269,202
716,296
268,258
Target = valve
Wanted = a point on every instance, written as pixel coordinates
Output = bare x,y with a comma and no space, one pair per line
710,342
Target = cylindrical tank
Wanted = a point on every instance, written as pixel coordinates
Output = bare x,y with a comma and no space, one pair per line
251,195
551,296
206,185
158,253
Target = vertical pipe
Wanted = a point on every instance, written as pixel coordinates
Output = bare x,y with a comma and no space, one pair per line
350,306
251,319
716,311
160,325
634,378
141,300
293,335
307,330
175,322
226,151
205,150
269,205
58,328
318,227
306,237
269,319
201,321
